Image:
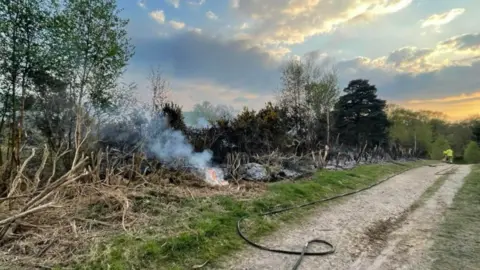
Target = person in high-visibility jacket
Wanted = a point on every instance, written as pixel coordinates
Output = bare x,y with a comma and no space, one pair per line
448,155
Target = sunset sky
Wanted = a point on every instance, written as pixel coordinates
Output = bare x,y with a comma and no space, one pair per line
422,54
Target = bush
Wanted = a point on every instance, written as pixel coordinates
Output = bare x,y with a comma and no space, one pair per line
175,116
472,153
437,148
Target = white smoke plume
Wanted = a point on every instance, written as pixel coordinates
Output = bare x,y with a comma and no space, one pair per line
202,123
171,146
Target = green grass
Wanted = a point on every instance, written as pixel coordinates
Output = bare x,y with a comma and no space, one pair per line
457,242
203,230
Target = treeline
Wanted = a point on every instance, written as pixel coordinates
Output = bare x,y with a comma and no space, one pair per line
429,134
58,59
312,112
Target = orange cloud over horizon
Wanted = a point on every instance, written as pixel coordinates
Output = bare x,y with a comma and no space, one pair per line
456,108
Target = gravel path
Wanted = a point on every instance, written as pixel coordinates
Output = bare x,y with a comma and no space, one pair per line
407,247
345,225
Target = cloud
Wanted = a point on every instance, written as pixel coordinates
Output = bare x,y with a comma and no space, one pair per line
241,100
465,42
231,63
195,30
292,21
456,107
176,24
407,54
408,73
196,3
412,59
452,66
437,20
158,15
211,15
397,85
278,52
243,26
142,4
191,92
461,97
457,51
174,3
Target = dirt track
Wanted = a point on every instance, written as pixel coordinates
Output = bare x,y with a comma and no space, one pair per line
370,230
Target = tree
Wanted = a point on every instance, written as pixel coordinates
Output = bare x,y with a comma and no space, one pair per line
472,153
22,39
98,46
293,94
88,48
307,92
410,129
359,115
438,146
458,136
50,114
322,96
159,88
206,113
474,123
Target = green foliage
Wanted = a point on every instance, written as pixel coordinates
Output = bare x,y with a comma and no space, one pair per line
439,127
458,136
97,48
439,145
174,114
410,129
474,124
472,153
323,94
265,129
360,116
56,56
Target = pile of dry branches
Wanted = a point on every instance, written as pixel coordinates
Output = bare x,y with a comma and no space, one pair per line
50,216
41,215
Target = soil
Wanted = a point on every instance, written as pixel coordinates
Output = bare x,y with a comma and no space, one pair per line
374,229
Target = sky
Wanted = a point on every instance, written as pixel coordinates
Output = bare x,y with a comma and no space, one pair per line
421,54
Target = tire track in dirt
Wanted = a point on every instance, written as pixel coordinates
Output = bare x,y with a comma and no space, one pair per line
407,247
343,223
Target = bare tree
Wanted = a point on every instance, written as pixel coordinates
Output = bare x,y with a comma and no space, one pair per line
159,87
210,112
312,71
322,95
292,96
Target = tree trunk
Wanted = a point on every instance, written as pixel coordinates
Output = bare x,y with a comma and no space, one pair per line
328,127
415,143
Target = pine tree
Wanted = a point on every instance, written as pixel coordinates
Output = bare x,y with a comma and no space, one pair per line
360,116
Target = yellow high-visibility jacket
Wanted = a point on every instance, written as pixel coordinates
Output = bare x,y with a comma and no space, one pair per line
448,153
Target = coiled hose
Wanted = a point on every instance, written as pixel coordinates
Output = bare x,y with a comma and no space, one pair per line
304,251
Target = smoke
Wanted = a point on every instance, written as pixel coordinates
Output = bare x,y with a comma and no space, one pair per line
197,122
202,123
140,127
171,146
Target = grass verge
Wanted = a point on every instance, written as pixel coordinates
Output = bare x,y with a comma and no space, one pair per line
457,242
205,228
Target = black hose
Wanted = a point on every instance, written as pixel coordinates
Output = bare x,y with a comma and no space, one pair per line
304,251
